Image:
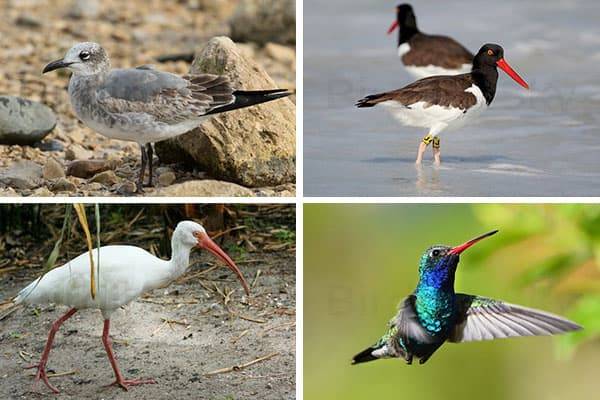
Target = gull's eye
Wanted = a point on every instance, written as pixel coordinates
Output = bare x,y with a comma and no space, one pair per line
435,253
84,55
490,52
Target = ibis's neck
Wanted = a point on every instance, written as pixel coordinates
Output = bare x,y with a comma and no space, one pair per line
167,271
180,257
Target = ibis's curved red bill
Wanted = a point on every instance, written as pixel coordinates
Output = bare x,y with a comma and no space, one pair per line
207,243
392,27
464,246
511,72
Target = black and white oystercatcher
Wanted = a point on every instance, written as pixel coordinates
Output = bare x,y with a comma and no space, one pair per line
426,55
443,102
144,105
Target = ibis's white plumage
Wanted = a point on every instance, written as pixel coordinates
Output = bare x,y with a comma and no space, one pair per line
123,273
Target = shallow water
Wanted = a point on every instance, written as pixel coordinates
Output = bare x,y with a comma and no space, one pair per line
542,142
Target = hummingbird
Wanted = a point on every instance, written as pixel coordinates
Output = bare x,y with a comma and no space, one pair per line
434,313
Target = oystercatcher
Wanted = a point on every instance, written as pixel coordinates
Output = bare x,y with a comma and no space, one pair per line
426,55
442,102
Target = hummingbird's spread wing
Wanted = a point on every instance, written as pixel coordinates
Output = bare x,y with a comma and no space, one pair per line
483,318
408,324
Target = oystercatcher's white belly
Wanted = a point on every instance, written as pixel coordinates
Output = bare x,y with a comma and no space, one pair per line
434,117
429,70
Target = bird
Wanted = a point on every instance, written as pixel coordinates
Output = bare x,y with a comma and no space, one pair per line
446,101
124,273
434,314
426,55
144,105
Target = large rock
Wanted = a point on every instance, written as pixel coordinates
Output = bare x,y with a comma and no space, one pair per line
23,121
22,175
205,188
255,146
264,21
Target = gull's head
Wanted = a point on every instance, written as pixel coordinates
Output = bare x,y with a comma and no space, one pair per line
85,58
192,234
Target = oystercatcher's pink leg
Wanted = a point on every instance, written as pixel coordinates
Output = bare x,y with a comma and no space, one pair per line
41,367
122,382
422,147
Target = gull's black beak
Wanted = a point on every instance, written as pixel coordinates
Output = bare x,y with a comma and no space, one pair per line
55,65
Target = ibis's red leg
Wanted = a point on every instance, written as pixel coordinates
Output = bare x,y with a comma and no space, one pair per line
41,367
113,362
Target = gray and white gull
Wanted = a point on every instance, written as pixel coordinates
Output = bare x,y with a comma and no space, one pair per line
144,105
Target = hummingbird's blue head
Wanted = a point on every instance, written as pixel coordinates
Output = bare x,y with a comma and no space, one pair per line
438,264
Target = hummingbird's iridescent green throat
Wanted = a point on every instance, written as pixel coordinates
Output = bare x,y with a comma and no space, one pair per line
434,313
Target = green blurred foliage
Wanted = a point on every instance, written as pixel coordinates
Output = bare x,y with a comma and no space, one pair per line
361,260
566,261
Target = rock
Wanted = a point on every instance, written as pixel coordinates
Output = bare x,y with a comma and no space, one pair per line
88,168
84,9
205,188
23,121
264,21
77,152
107,178
53,169
28,21
127,188
167,178
22,175
49,145
283,54
95,186
8,192
63,185
42,192
253,147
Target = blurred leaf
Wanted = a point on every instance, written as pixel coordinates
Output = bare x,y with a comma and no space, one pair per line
585,312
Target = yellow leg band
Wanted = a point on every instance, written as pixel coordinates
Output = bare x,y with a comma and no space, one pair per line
436,142
427,139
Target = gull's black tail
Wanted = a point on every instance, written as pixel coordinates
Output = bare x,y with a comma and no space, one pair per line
245,98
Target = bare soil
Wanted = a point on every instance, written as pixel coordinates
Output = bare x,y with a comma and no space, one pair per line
211,333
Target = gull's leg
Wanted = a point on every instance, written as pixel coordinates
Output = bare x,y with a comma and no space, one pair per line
150,152
41,367
436,151
422,147
113,362
140,183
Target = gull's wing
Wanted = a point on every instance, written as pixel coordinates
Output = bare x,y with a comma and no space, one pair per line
169,98
482,318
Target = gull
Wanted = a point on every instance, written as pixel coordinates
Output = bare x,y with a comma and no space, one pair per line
144,105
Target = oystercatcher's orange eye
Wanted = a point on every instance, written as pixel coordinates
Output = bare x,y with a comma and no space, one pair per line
490,53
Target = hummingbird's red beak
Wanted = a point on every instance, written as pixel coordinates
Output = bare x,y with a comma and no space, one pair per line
392,27
207,243
459,249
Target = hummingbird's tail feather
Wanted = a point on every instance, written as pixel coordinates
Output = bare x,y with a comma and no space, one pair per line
365,356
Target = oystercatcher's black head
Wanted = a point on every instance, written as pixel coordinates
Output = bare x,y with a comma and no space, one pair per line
405,19
491,56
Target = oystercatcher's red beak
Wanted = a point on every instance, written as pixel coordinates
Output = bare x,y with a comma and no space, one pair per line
392,27
511,72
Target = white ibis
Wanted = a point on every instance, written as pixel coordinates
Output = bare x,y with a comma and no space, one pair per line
125,273
446,102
